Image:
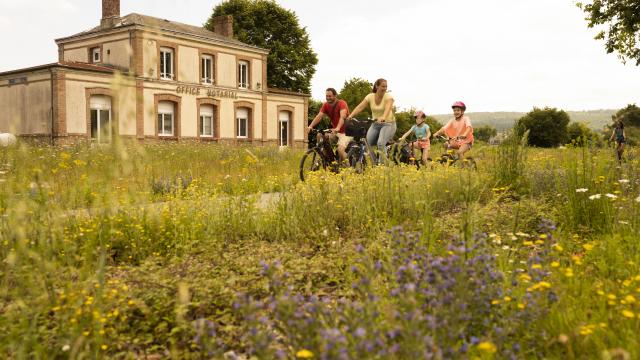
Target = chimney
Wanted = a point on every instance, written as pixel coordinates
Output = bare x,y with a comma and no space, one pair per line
110,13
223,25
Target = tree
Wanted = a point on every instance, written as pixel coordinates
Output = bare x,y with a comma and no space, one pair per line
405,120
579,134
622,19
264,23
630,115
353,92
547,127
484,132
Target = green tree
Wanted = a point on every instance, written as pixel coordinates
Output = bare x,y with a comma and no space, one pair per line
484,132
353,91
630,115
579,134
264,23
622,21
547,127
313,110
405,120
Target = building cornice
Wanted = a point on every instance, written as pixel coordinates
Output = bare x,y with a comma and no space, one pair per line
100,32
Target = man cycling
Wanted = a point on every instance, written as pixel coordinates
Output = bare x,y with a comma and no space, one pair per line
459,130
337,110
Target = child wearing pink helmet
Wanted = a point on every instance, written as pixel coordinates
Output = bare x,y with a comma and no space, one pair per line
458,130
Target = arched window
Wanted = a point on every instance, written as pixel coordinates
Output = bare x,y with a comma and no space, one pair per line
166,116
100,111
284,118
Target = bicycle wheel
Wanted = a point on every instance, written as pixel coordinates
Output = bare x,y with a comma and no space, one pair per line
311,161
468,163
446,159
357,159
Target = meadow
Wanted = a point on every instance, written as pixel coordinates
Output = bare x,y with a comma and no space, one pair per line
200,251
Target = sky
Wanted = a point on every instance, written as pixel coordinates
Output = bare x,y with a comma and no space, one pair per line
495,55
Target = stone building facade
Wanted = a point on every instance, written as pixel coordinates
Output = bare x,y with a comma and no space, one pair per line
147,78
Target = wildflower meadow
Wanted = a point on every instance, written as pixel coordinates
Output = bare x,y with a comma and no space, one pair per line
207,251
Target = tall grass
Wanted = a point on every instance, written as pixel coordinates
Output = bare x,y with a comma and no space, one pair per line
131,251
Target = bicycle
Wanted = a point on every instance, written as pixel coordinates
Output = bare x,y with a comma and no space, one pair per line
321,156
358,151
450,158
402,153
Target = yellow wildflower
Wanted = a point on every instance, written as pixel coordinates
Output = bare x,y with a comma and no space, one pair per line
304,354
628,314
487,346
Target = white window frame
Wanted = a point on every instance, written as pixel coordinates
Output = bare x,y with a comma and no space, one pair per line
207,70
167,66
96,51
239,119
284,117
100,103
207,116
243,74
164,114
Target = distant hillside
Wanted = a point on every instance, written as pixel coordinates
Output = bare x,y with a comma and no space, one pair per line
595,119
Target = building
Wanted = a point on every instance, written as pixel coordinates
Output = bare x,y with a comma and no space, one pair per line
147,78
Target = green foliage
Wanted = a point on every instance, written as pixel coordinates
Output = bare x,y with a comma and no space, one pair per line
314,109
629,115
353,92
621,19
580,135
484,132
547,127
511,161
596,119
95,265
405,120
264,23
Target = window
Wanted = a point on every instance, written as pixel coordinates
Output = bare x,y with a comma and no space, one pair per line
206,69
100,109
95,55
165,118
242,118
206,120
166,63
243,74
283,125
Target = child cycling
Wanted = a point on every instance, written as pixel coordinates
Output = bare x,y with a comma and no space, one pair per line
422,133
459,130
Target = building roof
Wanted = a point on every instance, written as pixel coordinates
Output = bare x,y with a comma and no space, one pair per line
65,64
165,25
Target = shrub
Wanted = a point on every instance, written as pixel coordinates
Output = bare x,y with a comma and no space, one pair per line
484,132
580,135
547,127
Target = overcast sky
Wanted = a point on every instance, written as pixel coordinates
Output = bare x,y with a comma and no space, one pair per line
495,55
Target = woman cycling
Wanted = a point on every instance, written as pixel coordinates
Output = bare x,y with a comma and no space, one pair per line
381,104
620,136
458,129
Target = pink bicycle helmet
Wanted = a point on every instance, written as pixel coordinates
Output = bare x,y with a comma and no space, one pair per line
419,114
459,104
